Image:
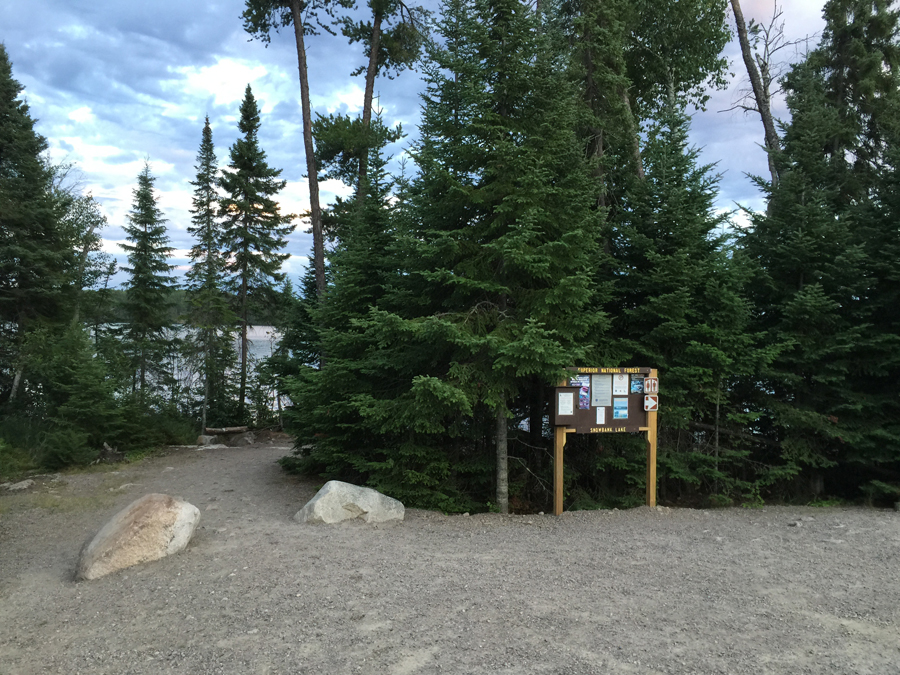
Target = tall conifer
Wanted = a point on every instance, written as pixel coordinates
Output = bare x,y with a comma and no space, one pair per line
821,248
33,253
211,317
148,291
254,229
680,306
485,285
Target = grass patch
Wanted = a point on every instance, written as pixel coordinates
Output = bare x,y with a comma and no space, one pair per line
827,503
54,503
14,463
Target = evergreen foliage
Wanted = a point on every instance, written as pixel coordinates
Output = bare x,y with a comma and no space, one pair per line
680,305
254,230
148,289
557,217
210,343
34,258
78,397
495,252
824,279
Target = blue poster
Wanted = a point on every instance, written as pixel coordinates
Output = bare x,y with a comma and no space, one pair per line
620,408
637,384
583,382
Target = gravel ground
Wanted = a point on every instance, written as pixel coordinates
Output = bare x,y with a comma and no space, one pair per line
773,590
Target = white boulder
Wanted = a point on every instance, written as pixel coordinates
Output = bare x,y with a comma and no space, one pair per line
240,440
338,501
148,529
16,487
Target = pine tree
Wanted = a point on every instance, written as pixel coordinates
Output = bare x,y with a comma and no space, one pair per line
393,40
148,291
599,32
254,230
210,317
34,257
261,18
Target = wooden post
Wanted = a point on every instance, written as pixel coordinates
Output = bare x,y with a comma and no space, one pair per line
651,453
559,442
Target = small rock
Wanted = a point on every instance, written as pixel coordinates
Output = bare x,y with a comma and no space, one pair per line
203,439
21,485
796,523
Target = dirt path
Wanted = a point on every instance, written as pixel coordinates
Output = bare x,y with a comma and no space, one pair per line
641,591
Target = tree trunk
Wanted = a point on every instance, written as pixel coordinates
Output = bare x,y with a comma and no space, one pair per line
15,385
82,265
536,413
636,141
312,171
595,134
763,104
243,389
716,437
502,462
143,369
371,72
207,369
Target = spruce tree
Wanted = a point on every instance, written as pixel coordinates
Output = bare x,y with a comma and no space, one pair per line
502,232
504,202
821,248
148,291
254,230
679,306
34,256
345,407
211,318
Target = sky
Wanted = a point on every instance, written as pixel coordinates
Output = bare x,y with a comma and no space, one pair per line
114,84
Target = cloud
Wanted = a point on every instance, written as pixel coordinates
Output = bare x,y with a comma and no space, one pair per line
114,83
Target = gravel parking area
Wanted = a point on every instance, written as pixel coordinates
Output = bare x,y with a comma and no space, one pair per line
755,591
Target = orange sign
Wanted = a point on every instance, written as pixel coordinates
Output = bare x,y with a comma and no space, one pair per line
651,385
651,402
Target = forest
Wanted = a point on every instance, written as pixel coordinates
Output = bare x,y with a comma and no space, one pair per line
553,214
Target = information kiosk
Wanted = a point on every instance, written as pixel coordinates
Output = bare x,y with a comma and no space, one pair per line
604,401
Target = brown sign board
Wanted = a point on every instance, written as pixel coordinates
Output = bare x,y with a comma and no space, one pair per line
601,400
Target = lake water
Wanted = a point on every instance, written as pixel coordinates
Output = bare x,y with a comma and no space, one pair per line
263,341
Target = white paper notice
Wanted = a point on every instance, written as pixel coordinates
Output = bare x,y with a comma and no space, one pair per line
601,390
620,384
566,405
601,415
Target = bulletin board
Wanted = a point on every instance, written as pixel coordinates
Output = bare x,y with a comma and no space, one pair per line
605,400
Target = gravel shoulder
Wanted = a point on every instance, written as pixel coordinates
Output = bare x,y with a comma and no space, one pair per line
772,590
